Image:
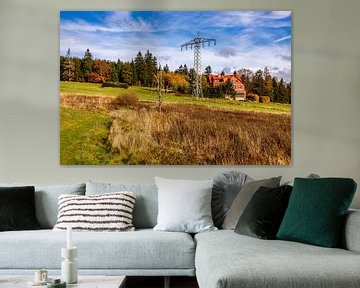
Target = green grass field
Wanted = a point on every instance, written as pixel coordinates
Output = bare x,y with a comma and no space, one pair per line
148,94
83,138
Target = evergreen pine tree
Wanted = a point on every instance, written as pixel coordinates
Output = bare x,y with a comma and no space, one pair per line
185,70
78,73
135,79
140,69
228,89
191,78
166,68
275,90
208,70
114,73
119,68
258,83
87,62
127,73
246,77
180,69
288,92
282,92
150,69
268,84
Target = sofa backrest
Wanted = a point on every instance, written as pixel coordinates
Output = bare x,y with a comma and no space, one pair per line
146,203
351,237
46,200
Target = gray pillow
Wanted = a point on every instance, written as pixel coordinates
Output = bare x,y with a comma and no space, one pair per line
184,205
243,198
146,206
310,176
46,200
226,187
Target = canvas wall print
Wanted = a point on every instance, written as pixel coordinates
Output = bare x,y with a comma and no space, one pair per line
175,87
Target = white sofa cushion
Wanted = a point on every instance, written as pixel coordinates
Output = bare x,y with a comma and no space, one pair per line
184,205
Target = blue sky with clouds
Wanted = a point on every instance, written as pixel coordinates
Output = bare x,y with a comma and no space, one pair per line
245,39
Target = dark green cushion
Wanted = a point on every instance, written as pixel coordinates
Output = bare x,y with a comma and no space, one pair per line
17,208
263,214
316,211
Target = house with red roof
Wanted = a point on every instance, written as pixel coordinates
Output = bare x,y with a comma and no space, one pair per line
218,80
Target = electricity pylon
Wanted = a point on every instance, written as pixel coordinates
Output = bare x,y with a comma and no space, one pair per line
197,42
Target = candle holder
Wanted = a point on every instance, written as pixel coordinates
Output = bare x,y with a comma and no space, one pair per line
69,271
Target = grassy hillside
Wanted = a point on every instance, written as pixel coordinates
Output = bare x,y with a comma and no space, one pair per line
148,94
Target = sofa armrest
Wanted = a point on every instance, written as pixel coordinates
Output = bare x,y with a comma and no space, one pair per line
351,233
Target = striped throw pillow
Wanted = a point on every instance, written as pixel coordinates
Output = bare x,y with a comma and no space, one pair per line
105,212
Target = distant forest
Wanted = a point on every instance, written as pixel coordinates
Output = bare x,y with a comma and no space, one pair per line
142,71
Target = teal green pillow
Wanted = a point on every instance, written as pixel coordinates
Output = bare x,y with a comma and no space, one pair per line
316,211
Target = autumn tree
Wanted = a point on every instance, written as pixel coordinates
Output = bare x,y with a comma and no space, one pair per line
100,72
177,82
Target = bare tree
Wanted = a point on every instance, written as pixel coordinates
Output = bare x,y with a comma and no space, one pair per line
160,84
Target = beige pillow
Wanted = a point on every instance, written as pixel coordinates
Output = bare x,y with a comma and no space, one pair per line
243,198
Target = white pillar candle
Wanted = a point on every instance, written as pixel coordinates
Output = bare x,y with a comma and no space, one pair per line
69,237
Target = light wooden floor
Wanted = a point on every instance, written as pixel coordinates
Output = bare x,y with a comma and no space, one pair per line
158,282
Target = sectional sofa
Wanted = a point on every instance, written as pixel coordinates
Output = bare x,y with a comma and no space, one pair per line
219,259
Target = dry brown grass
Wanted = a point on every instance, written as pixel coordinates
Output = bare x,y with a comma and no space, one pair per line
189,134
91,103
84,102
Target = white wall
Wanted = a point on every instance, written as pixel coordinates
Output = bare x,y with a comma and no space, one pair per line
326,91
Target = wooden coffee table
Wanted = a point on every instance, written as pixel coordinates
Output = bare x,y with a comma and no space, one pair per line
84,281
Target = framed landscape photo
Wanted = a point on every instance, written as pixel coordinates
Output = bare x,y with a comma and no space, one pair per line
175,87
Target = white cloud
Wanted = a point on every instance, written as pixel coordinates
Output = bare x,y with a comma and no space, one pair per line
116,22
252,18
280,14
123,21
282,39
